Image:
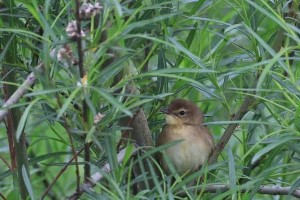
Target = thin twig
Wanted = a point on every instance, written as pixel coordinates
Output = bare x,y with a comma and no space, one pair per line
249,99
7,164
272,190
67,128
19,92
59,174
2,196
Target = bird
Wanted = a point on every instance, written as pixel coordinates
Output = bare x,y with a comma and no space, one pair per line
185,124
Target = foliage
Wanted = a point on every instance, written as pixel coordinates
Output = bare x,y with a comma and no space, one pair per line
212,52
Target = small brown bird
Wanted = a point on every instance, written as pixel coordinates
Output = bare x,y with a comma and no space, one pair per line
184,121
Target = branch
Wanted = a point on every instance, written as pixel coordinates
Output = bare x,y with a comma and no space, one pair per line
249,99
59,174
66,125
87,156
272,190
20,92
2,196
98,176
6,163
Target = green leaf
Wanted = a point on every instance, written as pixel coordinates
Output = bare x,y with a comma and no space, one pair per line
270,147
68,102
27,182
187,52
128,154
89,136
297,118
112,100
23,119
231,167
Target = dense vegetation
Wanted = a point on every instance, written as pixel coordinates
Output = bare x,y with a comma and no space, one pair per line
237,59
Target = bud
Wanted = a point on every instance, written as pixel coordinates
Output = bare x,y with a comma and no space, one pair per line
72,30
98,118
87,10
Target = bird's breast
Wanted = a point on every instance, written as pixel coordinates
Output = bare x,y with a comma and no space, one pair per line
191,152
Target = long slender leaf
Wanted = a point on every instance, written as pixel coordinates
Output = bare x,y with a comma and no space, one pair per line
24,118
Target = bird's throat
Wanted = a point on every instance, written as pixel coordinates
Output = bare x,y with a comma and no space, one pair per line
173,120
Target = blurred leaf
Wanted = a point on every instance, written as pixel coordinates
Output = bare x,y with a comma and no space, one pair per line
49,91
112,100
232,172
145,23
295,186
68,102
23,119
193,57
118,7
297,118
89,136
162,84
27,182
270,147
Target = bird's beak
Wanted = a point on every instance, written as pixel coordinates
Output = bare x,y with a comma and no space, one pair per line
165,110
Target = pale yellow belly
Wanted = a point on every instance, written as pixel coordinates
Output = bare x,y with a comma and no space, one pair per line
188,155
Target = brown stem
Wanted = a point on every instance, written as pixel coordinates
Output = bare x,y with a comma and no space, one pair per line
59,174
10,137
87,157
2,196
248,101
78,38
67,128
6,163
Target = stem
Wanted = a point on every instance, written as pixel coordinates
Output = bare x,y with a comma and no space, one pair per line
231,127
18,151
59,174
67,128
87,156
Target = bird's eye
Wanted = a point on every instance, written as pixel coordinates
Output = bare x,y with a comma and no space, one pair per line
182,112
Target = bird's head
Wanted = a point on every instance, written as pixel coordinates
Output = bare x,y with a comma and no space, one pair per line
181,111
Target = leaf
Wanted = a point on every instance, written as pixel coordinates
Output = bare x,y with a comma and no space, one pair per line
270,147
231,167
145,23
27,182
118,7
112,100
89,136
49,91
23,119
162,83
68,102
297,118
193,57
25,33
128,154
